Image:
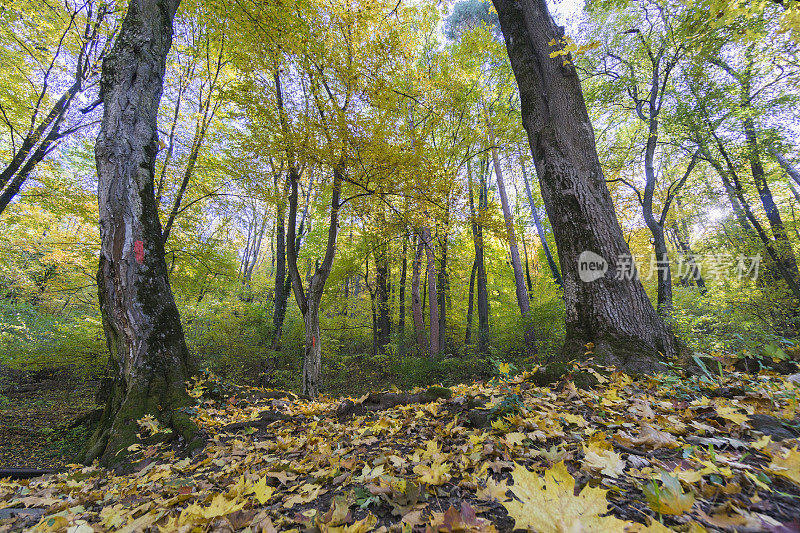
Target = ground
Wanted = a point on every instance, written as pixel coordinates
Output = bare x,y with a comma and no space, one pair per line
663,453
34,424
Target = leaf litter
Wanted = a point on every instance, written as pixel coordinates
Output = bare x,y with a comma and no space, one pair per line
658,453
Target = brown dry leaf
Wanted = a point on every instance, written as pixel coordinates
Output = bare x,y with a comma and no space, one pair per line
654,439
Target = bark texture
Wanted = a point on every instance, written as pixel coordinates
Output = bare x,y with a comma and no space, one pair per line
149,360
612,312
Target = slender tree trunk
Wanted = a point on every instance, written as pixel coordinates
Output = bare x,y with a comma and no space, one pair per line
443,286
401,321
727,175
682,238
519,277
470,303
477,237
425,237
663,270
416,301
537,221
382,275
149,360
528,282
309,301
782,243
612,312
281,294
790,169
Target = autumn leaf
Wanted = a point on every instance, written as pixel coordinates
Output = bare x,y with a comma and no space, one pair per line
549,504
669,498
261,491
787,465
436,474
607,462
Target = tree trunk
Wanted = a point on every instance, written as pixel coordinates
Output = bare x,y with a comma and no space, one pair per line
470,303
782,243
519,277
401,321
416,301
790,169
663,270
309,302
537,221
480,279
149,359
382,275
613,314
443,286
425,237
281,294
735,189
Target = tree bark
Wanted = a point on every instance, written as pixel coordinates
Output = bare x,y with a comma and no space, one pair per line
537,221
401,320
470,303
782,242
790,169
149,360
416,301
519,276
425,237
612,312
382,275
309,302
663,270
480,279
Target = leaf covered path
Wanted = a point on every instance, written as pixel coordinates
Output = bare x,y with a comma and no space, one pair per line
655,454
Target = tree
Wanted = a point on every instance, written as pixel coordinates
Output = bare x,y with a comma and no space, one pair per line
149,361
69,36
611,312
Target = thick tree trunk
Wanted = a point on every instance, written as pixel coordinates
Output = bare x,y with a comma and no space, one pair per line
416,301
425,237
612,312
149,359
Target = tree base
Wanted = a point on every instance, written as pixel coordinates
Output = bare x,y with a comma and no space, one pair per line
629,354
118,427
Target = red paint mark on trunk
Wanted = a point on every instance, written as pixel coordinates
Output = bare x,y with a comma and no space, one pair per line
313,341
138,250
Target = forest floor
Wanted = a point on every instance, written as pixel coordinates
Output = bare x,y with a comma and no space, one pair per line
34,424
653,454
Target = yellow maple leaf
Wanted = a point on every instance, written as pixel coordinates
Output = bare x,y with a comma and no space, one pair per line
731,413
436,474
219,506
788,466
607,462
549,504
261,491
